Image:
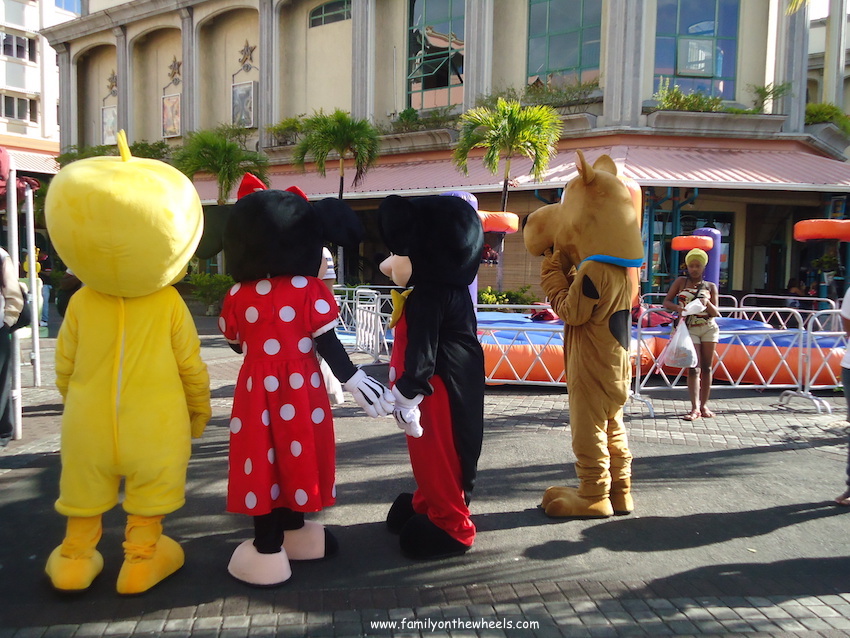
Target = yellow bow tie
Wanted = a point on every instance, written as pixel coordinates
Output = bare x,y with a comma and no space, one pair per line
399,299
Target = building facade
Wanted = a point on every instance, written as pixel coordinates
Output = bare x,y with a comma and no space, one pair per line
29,83
159,69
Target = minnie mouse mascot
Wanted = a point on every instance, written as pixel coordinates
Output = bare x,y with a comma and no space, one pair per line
279,314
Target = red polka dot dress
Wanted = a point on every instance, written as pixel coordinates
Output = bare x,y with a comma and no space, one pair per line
281,427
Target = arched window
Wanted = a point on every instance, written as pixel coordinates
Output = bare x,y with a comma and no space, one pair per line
330,12
696,45
435,53
564,40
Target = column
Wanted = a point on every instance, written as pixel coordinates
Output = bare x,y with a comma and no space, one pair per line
834,53
265,101
124,80
794,69
188,113
477,51
68,132
363,56
624,56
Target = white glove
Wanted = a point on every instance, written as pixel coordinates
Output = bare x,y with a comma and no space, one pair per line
370,395
406,413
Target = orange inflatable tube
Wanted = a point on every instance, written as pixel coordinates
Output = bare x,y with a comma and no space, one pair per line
689,242
523,363
499,222
822,229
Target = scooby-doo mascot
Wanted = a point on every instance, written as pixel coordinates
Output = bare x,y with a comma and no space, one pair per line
589,242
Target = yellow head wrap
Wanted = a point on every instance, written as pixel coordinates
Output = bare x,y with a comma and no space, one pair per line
697,254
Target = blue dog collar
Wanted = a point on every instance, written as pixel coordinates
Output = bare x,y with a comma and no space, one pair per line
617,261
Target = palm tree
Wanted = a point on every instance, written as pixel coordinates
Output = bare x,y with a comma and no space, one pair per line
507,131
348,137
219,151
338,132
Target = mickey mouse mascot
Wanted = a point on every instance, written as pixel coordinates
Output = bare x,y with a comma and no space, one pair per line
437,367
279,315
128,362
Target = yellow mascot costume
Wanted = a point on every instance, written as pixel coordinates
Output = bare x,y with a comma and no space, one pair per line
128,362
591,243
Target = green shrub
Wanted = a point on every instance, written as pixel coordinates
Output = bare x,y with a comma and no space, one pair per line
767,92
565,97
286,131
821,112
518,297
674,99
210,289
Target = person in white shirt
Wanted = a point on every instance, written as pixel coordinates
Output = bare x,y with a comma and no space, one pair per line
332,384
844,498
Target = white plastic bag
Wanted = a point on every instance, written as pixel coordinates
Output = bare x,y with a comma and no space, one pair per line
680,351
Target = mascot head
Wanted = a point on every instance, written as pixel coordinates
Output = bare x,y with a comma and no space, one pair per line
599,214
441,236
279,232
126,226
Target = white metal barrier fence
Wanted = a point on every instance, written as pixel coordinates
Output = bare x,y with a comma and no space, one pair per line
527,355
785,349
790,355
826,343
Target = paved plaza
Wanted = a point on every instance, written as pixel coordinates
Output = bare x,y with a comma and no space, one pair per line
734,530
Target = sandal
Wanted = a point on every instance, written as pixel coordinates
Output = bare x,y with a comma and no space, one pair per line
706,412
844,499
693,415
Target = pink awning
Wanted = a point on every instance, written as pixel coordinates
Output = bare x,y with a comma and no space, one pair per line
785,167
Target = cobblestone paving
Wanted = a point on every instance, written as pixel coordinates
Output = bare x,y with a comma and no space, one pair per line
581,607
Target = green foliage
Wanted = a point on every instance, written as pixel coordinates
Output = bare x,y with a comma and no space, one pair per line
287,130
821,112
234,133
825,263
410,120
75,153
340,133
210,289
509,130
769,92
674,99
221,152
519,297
568,98
159,150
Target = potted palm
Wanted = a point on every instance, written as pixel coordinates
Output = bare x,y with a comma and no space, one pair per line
339,133
221,152
506,131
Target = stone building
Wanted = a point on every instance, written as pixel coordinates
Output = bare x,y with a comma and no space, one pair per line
160,68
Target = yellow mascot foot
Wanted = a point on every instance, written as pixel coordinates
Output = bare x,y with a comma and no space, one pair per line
565,502
76,563
73,574
149,556
621,497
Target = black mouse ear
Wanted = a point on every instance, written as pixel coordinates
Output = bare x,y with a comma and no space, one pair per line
340,224
398,224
